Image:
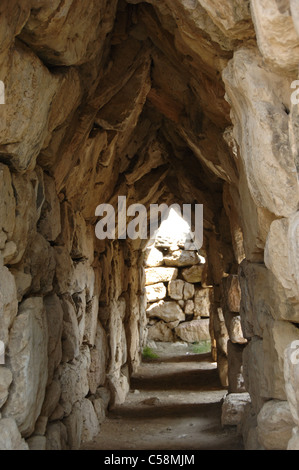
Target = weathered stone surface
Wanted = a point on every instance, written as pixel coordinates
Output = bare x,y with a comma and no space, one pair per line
276,35
243,77
182,258
28,360
193,274
74,380
49,224
202,302
234,328
293,443
235,368
189,307
291,377
232,293
10,437
160,274
167,311
275,425
155,292
220,330
54,314
281,253
70,332
188,291
98,356
90,428
57,436
160,332
193,331
5,381
233,408
153,257
37,443
8,301
52,397
176,289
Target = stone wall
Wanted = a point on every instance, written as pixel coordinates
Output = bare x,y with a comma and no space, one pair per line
178,306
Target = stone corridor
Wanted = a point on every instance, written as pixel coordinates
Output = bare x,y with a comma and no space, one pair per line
158,101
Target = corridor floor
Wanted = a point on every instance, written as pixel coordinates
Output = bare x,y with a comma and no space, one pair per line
174,404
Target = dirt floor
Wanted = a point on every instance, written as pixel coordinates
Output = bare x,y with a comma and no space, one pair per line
174,404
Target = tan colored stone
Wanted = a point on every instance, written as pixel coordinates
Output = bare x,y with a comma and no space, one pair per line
28,359
181,258
155,292
193,274
156,275
176,289
193,331
167,311
10,437
160,332
233,408
202,302
275,425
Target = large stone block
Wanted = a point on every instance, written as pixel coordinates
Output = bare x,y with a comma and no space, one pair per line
10,437
202,302
193,331
28,361
182,258
167,311
155,292
160,274
193,274
176,289
233,408
275,425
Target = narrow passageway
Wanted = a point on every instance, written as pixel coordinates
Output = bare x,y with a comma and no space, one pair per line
174,404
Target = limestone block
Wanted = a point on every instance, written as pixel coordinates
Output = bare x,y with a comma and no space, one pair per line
282,253
220,330
182,258
293,443
54,315
155,292
153,257
49,224
52,397
28,359
291,377
176,289
5,381
160,331
7,205
202,302
83,240
256,95
56,436
193,274
193,331
90,428
234,327
91,321
235,368
99,356
10,437
160,274
70,333
231,292
188,291
74,380
167,311
8,301
275,425
74,427
276,34
68,38
37,443
22,141
233,408
189,307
